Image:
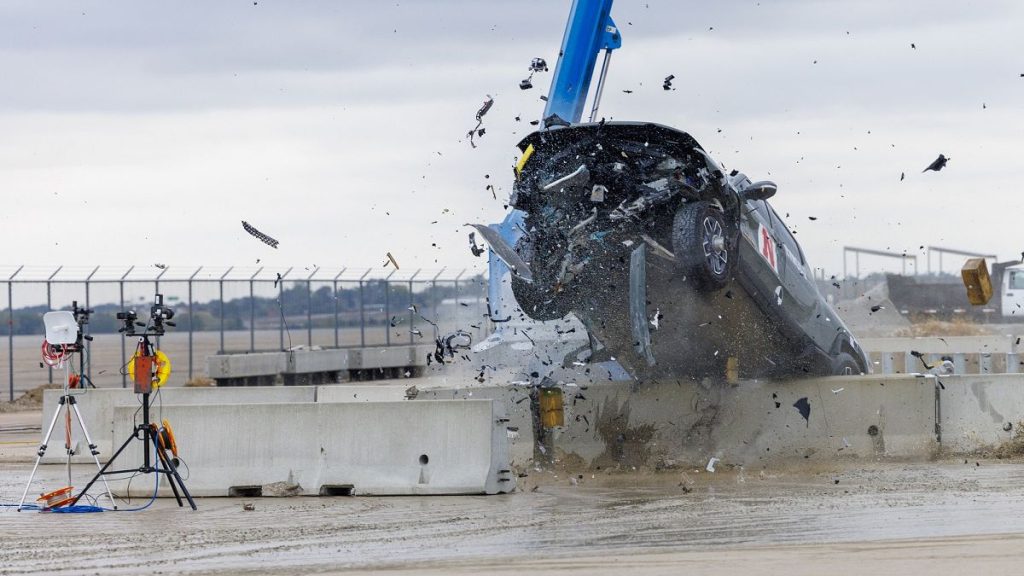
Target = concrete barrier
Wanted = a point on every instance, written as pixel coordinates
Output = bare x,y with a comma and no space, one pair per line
97,409
311,367
975,411
361,393
970,354
385,448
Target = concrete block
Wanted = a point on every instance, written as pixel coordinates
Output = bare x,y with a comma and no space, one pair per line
221,366
440,447
305,361
975,410
362,392
97,409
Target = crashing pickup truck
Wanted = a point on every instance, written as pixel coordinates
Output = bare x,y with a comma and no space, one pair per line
676,268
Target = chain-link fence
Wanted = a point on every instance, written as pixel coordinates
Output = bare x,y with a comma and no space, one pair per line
233,310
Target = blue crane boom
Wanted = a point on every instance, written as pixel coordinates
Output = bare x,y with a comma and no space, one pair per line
589,30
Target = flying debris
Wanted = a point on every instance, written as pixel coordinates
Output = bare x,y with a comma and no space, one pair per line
161,266
938,164
667,85
902,176
259,235
476,250
804,407
391,260
536,65
477,130
277,280
920,356
508,255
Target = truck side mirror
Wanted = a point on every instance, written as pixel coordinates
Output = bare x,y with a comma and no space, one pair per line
761,190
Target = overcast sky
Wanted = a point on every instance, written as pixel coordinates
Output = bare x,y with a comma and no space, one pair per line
143,132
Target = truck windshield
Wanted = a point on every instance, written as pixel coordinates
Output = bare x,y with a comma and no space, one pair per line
1017,280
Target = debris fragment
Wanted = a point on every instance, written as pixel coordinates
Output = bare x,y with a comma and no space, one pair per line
249,506
667,85
837,390
804,407
476,250
536,65
876,308
938,164
711,464
920,356
259,235
477,131
391,260
161,266
508,255
778,295
278,279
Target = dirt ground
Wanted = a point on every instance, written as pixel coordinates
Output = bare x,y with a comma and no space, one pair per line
856,517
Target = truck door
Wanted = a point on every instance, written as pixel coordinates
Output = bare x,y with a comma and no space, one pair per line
1013,293
799,293
759,258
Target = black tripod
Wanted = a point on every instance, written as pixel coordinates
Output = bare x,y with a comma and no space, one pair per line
146,432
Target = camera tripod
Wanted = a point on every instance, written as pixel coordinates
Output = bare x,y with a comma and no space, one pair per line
145,431
68,405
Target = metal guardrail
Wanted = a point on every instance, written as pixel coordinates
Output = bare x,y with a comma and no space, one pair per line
371,300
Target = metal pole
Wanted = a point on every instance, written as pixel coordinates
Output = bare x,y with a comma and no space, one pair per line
457,289
252,312
10,329
309,307
362,311
190,320
600,83
336,305
156,290
49,306
221,283
88,343
280,303
411,316
124,361
387,308
433,297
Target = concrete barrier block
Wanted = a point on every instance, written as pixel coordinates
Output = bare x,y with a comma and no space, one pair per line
440,447
229,446
221,366
306,361
97,409
361,393
976,409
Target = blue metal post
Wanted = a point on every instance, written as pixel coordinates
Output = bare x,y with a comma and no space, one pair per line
588,30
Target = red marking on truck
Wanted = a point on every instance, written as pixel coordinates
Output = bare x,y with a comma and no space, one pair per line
767,247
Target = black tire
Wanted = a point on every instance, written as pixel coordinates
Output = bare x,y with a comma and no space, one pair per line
704,245
844,364
533,300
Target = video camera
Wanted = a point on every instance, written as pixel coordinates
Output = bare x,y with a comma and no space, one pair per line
159,314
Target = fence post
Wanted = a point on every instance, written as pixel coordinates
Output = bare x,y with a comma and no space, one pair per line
10,329
280,306
88,343
124,361
433,296
252,311
49,306
336,304
412,317
387,307
309,307
362,310
156,290
191,320
220,282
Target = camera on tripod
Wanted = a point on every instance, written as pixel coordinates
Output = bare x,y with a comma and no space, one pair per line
159,314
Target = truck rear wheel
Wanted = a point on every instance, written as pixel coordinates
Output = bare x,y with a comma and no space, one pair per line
704,245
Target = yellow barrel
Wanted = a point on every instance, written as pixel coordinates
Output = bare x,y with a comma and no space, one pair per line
552,408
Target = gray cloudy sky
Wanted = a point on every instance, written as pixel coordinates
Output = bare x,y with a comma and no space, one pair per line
140,132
